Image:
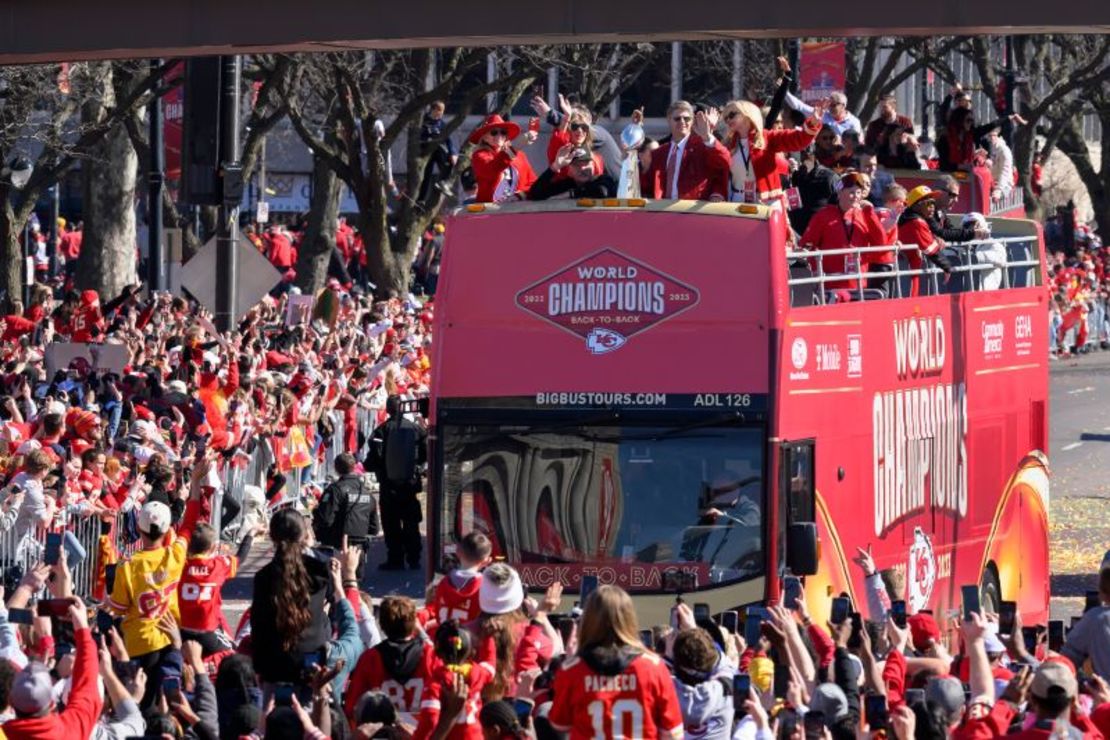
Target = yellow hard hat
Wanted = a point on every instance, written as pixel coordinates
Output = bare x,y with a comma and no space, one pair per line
919,193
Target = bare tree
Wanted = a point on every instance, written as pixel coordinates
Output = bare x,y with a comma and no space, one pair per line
109,170
1074,146
40,119
599,73
357,90
869,76
1059,72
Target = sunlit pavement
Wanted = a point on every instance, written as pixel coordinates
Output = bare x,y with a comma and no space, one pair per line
1079,454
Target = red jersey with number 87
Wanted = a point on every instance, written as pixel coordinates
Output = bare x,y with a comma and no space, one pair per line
199,591
638,702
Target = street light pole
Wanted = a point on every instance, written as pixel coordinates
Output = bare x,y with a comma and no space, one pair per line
55,230
1010,76
227,239
156,257
925,137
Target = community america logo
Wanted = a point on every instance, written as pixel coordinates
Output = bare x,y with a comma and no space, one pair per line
606,298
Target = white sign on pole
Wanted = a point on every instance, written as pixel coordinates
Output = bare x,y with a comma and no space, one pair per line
257,277
101,357
262,212
299,309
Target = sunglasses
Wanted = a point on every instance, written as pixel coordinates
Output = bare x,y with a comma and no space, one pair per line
682,119
498,132
580,127
732,114
950,194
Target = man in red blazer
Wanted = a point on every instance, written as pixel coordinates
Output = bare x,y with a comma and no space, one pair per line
694,165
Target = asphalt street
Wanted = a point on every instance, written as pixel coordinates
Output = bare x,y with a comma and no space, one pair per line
1079,456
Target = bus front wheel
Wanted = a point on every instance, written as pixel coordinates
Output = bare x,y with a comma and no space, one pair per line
990,593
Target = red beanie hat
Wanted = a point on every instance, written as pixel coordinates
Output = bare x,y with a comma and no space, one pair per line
923,630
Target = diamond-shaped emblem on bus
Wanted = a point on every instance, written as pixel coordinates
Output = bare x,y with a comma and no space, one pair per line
607,298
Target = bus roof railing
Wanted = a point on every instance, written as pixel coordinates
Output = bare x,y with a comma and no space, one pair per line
975,189
976,264
1012,202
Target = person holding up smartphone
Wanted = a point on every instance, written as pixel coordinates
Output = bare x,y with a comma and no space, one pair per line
702,683
145,586
32,699
1090,638
614,681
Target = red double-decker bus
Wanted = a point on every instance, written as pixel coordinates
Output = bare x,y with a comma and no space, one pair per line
659,393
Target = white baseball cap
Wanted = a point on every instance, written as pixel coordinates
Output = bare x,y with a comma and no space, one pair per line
154,515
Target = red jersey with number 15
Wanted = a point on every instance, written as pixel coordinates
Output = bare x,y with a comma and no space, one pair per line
199,591
638,702
452,602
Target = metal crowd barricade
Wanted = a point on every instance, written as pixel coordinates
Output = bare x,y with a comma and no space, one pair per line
1009,268
27,550
261,457
23,552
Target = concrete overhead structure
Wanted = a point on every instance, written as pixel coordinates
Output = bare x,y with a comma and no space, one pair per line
70,30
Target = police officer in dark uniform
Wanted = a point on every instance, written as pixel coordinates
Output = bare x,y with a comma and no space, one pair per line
347,508
397,450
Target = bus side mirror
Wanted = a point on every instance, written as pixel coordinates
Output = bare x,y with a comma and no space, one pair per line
801,548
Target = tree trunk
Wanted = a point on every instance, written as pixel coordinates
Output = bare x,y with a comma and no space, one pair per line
319,236
1096,182
1023,162
387,271
11,256
108,178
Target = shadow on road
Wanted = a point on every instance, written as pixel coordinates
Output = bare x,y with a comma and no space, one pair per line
1089,437
1073,584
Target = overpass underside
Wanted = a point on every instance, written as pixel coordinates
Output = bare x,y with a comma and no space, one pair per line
71,30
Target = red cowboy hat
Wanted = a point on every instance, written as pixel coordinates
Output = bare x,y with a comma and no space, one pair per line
494,121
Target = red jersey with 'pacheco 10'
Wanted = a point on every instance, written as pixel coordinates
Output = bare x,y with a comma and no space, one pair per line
632,696
199,591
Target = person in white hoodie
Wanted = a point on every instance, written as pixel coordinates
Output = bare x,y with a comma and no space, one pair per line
703,683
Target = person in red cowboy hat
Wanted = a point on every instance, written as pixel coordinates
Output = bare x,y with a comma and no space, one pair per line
500,169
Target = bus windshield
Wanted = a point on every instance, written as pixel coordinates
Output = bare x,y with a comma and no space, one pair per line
639,500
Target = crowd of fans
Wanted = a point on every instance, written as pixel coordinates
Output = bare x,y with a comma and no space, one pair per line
1079,285
143,450
316,658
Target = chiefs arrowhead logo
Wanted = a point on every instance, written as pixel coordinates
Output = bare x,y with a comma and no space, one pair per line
606,298
921,571
600,341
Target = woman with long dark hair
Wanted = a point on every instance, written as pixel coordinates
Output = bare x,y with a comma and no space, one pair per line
288,621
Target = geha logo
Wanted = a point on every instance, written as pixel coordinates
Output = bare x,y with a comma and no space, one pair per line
607,298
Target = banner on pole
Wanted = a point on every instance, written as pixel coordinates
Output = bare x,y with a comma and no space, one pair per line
822,69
